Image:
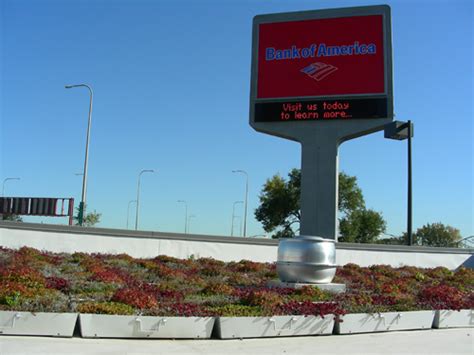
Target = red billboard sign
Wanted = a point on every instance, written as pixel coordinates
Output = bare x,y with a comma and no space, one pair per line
327,64
323,57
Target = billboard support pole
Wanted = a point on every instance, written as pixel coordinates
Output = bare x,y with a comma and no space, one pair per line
319,186
290,97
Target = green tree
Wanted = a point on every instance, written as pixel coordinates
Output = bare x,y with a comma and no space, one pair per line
437,235
361,226
89,220
279,209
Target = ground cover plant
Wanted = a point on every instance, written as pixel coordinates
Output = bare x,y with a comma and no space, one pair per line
36,281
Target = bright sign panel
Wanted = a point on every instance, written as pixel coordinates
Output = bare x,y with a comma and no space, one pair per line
322,65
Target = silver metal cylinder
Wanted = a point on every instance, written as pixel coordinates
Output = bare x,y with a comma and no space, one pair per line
306,259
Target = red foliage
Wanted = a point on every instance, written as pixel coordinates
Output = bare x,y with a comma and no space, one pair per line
23,274
246,266
160,294
8,288
180,310
135,298
446,297
262,298
57,283
105,275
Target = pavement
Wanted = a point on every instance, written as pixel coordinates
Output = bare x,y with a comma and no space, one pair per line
433,341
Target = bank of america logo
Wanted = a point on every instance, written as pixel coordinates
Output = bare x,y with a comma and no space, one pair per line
318,71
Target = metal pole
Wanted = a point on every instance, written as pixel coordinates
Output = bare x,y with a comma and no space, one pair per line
409,209
246,197
185,216
246,204
5,180
82,204
70,211
189,221
138,195
240,226
233,217
128,209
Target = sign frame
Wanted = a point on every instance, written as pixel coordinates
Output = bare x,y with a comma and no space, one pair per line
347,128
320,139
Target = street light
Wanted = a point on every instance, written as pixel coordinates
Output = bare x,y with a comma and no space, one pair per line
233,217
82,204
239,218
128,209
138,195
399,131
189,221
5,180
246,197
185,215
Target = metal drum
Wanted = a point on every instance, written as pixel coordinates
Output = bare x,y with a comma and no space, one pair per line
306,259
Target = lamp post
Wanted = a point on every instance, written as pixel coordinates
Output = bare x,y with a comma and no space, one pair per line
233,217
5,180
246,197
82,204
128,209
239,225
185,215
189,221
399,131
138,195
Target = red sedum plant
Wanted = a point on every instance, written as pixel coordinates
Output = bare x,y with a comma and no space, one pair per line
135,298
32,280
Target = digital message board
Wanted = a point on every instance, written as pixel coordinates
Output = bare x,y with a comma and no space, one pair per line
322,65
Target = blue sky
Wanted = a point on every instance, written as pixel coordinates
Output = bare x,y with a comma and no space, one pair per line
171,84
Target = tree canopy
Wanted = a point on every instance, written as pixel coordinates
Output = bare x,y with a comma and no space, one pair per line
279,209
361,226
437,235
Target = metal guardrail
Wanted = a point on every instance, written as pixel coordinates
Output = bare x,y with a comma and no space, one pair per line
125,233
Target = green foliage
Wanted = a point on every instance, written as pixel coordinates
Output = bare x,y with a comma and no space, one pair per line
105,308
350,194
216,288
89,220
310,293
437,235
279,209
280,204
10,217
263,299
12,299
361,226
42,301
236,310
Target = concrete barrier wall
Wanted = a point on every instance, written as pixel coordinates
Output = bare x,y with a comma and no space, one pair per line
57,238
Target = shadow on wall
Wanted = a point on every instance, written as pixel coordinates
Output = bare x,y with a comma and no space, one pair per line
469,263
